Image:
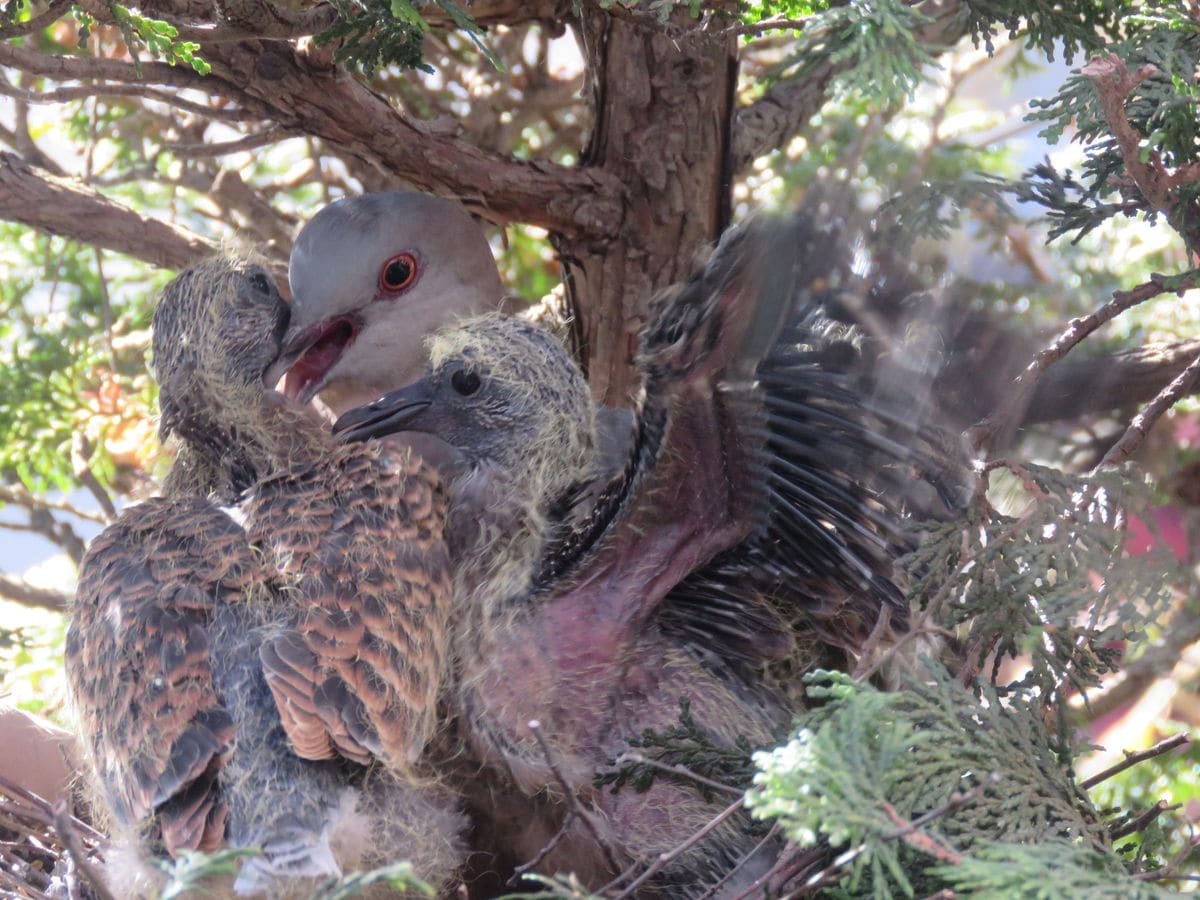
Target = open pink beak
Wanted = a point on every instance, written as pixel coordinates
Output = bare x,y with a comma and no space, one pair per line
308,356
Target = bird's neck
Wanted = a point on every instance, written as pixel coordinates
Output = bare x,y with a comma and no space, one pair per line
225,455
496,535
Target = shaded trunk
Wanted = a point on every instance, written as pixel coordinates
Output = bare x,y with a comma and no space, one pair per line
663,105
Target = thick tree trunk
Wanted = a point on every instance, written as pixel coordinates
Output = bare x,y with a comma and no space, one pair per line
663,101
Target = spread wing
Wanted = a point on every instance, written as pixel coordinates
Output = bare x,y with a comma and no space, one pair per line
686,492
762,484
137,659
359,544
837,458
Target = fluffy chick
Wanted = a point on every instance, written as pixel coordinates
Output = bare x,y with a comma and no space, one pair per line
223,674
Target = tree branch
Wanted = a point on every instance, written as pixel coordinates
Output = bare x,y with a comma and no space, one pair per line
26,594
1076,387
346,114
75,68
1183,384
81,91
1113,85
52,13
65,207
249,142
1132,759
994,430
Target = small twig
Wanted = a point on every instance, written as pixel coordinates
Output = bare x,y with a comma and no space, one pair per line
677,769
664,859
910,833
1171,869
748,28
250,142
1144,420
71,93
519,872
1139,823
81,451
38,804
18,495
63,824
1132,759
749,855
907,831
576,806
105,307
53,13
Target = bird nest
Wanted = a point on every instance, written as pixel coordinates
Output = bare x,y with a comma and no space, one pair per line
46,853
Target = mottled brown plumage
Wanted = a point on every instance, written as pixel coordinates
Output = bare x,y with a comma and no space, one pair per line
138,660
207,658
358,540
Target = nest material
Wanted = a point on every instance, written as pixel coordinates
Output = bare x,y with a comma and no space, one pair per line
46,853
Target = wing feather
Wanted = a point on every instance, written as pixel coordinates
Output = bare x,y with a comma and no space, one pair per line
359,544
137,660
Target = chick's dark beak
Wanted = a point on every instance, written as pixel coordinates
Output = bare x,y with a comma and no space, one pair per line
402,410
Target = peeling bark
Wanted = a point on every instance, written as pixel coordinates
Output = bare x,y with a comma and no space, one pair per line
662,116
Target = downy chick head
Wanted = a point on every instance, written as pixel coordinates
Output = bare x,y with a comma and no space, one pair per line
505,394
217,329
371,277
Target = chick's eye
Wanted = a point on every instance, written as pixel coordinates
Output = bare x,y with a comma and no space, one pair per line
260,283
398,272
464,382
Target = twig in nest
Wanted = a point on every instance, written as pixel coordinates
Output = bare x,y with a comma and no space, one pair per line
524,869
790,865
664,859
874,639
1132,759
749,855
64,825
677,769
577,808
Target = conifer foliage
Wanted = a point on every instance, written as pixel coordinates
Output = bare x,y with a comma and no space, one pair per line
948,763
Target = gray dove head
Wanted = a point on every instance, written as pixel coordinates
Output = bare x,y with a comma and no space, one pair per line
506,394
217,329
371,278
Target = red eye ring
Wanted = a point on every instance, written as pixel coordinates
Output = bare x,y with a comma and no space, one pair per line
398,273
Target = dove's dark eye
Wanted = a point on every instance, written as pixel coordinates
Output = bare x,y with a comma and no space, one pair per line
465,382
398,272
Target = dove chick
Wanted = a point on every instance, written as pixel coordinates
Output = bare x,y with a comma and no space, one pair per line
265,677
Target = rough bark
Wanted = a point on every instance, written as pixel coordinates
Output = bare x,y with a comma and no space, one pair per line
64,206
662,113
334,106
